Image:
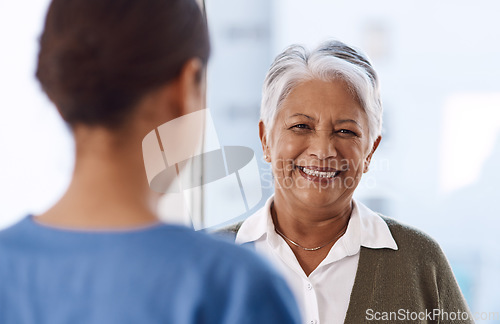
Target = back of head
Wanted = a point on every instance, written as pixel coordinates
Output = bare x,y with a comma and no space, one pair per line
99,57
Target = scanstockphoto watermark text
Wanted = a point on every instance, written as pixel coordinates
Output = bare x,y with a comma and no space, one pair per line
284,167
405,315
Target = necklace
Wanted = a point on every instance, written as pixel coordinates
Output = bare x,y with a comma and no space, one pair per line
309,249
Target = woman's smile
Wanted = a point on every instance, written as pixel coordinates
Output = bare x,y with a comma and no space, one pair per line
321,175
327,173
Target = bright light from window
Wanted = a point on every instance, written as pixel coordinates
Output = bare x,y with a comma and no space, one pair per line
471,127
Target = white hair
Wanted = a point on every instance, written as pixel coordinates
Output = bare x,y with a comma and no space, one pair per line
330,61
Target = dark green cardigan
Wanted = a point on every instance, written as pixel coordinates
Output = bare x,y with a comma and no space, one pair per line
398,286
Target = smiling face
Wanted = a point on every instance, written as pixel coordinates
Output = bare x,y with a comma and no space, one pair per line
319,145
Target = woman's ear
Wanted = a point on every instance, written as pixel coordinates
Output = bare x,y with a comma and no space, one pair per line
191,87
263,141
369,157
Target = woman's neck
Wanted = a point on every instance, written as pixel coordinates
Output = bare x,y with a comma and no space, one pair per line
310,232
109,188
311,226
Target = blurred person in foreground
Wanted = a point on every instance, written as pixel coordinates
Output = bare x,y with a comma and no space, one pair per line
321,121
115,70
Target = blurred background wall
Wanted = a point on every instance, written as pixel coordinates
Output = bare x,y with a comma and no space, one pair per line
437,167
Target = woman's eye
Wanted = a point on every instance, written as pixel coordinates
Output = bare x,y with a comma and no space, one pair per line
347,132
301,126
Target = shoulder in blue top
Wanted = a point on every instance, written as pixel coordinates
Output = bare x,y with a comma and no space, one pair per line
159,274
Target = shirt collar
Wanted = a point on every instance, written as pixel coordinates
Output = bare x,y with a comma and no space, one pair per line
257,225
366,228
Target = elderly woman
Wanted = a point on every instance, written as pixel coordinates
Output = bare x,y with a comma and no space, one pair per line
116,70
320,125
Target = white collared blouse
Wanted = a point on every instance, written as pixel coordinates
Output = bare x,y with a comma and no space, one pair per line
323,296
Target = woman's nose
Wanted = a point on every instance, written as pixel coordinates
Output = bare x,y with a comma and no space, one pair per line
322,146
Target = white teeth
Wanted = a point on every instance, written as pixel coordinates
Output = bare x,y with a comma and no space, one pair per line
319,174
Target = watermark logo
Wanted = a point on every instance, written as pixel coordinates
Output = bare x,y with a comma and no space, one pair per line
178,159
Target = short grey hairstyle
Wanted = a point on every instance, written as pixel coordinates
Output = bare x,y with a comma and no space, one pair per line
330,61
